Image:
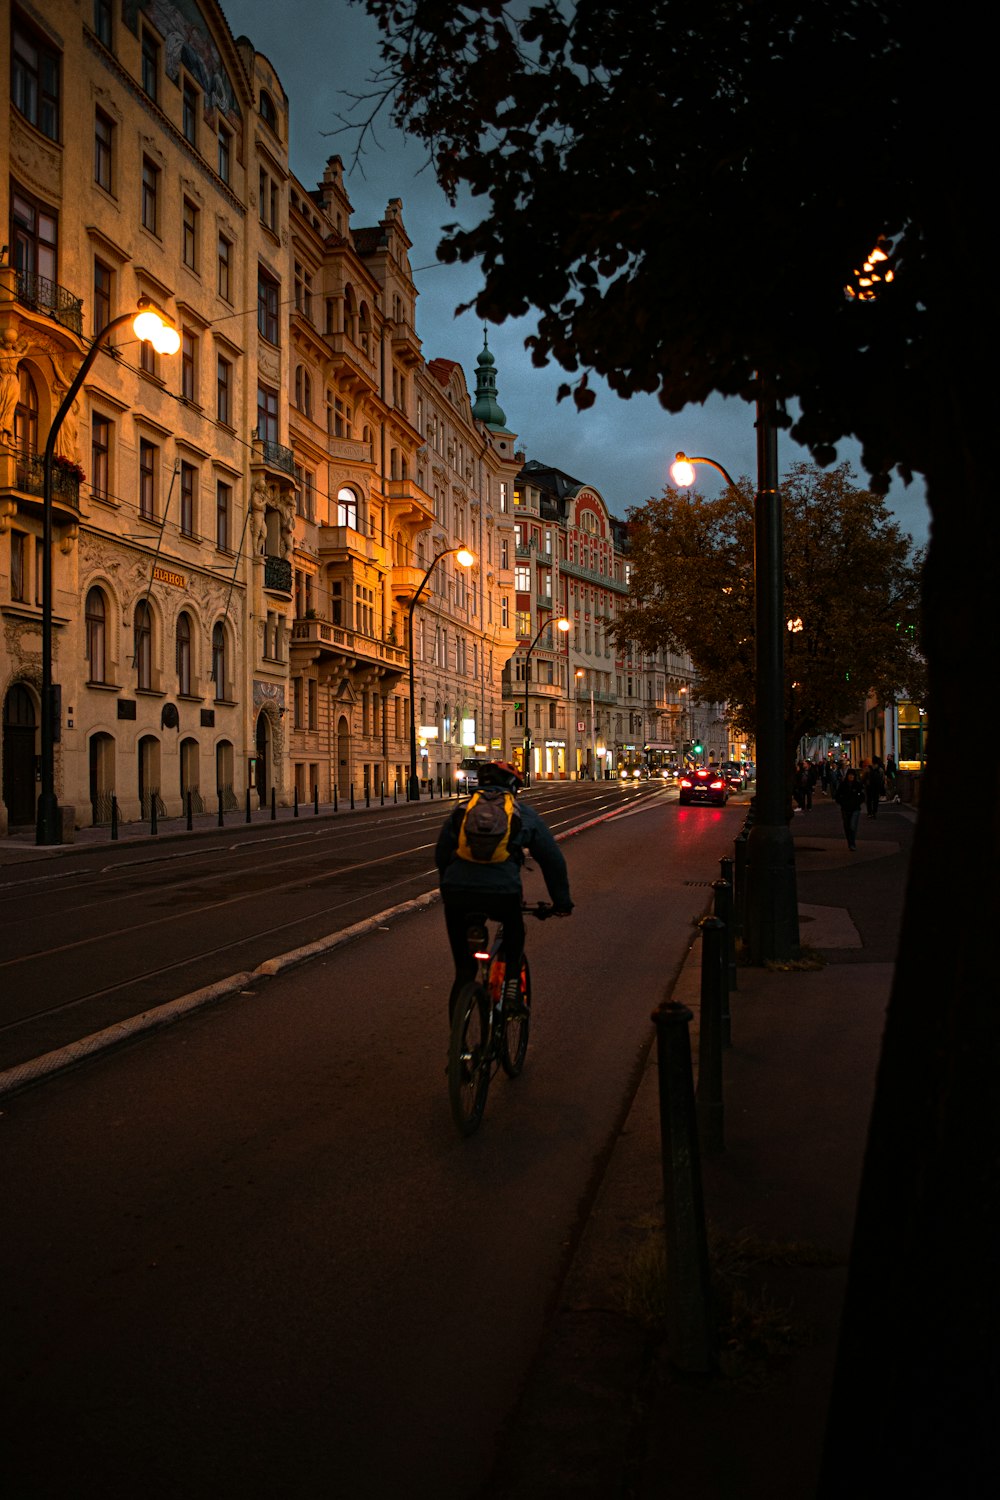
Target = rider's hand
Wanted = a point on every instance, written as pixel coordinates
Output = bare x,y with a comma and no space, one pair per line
562,911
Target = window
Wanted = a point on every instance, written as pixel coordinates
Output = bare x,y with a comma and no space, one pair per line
142,636
95,615
347,509
26,414
102,21
223,506
34,231
267,199
103,289
268,113
522,580
150,63
35,79
104,134
223,390
189,365
150,194
225,268
267,414
225,151
189,235
522,622
303,291
505,553
268,293
303,390
148,455
100,456
188,482
148,359
18,566
190,98
184,655
219,660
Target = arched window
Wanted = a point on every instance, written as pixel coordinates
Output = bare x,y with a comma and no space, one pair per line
268,113
347,509
26,414
184,655
95,614
219,660
142,632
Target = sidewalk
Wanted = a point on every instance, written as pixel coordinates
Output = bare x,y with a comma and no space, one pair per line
603,1415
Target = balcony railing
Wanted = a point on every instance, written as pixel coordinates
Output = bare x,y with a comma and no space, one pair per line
339,639
278,574
577,570
31,479
49,297
276,456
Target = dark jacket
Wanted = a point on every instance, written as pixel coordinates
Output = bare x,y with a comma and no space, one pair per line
850,794
534,838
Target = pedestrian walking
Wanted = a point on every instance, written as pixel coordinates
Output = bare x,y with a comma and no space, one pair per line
890,777
850,795
874,784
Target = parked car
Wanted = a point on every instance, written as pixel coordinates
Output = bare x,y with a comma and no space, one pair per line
467,774
707,784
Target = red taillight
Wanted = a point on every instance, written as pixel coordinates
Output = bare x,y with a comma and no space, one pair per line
481,956
685,782
717,785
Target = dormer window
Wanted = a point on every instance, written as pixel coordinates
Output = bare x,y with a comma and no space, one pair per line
268,113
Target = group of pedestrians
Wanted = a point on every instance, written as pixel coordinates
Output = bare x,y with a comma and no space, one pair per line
850,788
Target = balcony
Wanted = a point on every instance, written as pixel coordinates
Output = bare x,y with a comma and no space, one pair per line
274,456
278,575
316,640
24,475
405,582
337,542
591,575
408,502
45,296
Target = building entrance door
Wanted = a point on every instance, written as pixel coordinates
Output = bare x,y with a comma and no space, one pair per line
19,756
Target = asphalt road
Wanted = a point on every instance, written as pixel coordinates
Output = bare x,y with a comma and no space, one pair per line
250,1254
111,931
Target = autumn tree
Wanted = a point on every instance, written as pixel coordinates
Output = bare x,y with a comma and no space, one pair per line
851,587
682,190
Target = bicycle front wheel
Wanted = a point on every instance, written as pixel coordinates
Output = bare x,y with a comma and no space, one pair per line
514,1042
468,1058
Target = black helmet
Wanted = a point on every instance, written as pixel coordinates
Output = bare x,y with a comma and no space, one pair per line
501,773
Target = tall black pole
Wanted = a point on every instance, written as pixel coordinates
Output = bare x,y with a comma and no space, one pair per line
526,747
772,928
413,784
47,825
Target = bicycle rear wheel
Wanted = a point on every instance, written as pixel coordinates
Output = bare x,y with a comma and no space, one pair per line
514,1042
468,1058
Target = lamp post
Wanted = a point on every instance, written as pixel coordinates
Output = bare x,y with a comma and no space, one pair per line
772,925
580,674
466,558
149,325
561,624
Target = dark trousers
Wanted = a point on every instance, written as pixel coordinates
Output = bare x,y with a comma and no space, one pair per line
460,906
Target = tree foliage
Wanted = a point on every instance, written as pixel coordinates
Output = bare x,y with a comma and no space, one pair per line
850,577
673,187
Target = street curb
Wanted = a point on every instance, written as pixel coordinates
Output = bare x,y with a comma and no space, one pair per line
12,1080
63,1058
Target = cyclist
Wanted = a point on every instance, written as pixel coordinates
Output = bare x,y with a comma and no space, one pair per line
494,890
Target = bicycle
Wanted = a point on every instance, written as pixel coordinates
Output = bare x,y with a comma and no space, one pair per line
484,1034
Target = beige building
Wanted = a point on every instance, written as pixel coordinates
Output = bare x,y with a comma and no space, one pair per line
238,530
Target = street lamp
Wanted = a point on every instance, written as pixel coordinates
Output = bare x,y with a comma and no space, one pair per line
152,326
580,673
772,925
466,558
561,624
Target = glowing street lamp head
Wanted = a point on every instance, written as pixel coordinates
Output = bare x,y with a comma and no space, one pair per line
562,624
682,471
154,327
465,557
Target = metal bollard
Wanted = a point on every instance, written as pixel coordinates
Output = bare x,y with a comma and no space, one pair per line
709,1095
152,814
273,807
190,811
222,817
248,805
295,803
316,800
368,796
395,789
430,786
723,911
381,794
334,798
729,917
690,1334
739,882
114,817
352,796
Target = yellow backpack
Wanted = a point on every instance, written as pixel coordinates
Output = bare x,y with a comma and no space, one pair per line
488,827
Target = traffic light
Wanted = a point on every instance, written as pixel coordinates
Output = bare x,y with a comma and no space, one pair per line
697,747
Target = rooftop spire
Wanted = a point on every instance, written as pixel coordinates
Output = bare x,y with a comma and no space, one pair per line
486,407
